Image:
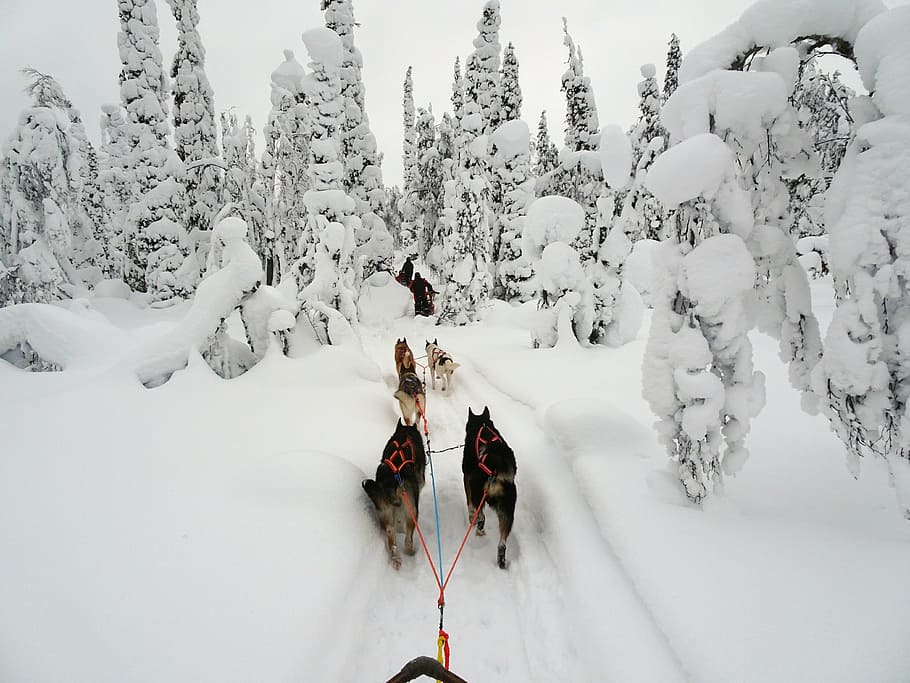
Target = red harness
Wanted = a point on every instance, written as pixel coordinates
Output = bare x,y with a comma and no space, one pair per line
437,355
399,455
480,441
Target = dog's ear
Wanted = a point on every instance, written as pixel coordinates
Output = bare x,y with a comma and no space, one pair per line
427,342
470,412
436,341
486,412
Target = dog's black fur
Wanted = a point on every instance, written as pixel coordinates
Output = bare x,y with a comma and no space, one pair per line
387,494
496,454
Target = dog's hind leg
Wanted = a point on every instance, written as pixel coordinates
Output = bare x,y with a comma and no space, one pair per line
409,526
505,510
473,494
387,521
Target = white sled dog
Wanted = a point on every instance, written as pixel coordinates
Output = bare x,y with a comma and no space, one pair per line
441,365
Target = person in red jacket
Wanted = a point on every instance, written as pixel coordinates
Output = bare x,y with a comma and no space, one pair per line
404,275
423,295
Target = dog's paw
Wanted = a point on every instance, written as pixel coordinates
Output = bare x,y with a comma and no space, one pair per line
501,557
409,548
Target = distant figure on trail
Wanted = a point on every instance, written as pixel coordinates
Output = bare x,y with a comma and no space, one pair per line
407,270
423,296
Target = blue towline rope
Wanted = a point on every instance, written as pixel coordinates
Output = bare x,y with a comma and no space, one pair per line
435,505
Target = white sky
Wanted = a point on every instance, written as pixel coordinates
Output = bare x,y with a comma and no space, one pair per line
77,43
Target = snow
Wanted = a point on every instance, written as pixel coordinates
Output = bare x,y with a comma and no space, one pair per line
615,156
324,47
552,219
743,102
718,269
775,23
695,167
223,523
512,139
882,56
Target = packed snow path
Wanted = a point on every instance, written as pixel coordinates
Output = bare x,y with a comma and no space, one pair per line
563,609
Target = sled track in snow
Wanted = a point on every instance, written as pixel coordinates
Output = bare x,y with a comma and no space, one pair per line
501,623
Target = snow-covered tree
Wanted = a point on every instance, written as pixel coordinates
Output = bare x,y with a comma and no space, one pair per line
616,304
822,103
546,155
751,112
195,133
466,259
44,230
428,181
563,290
329,298
363,175
579,175
407,206
512,170
457,93
641,214
243,189
581,111
482,93
863,378
286,167
156,240
674,60
697,372
510,100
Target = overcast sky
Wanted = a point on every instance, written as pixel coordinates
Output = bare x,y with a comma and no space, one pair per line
76,42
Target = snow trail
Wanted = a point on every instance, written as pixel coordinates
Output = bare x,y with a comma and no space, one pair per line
514,637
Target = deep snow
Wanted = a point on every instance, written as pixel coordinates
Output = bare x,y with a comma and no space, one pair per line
215,530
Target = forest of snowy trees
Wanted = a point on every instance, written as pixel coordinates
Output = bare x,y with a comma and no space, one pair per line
751,168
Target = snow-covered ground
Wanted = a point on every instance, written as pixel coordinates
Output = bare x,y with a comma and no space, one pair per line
215,530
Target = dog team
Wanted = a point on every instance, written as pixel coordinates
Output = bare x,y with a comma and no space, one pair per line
488,463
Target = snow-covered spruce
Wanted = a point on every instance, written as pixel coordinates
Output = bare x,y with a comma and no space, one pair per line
616,304
47,243
362,172
244,190
195,132
512,169
329,296
286,167
156,240
407,205
579,174
697,373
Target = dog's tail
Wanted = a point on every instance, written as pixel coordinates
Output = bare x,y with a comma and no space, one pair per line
373,491
455,365
402,395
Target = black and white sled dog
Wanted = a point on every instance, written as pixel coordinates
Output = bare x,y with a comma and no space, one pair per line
441,365
489,467
400,473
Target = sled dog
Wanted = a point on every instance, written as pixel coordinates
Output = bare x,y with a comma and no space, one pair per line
441,365
489,467
404,357
400,473
412,397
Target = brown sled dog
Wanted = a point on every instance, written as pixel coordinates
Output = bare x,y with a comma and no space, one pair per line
489,466
400,473
404,357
